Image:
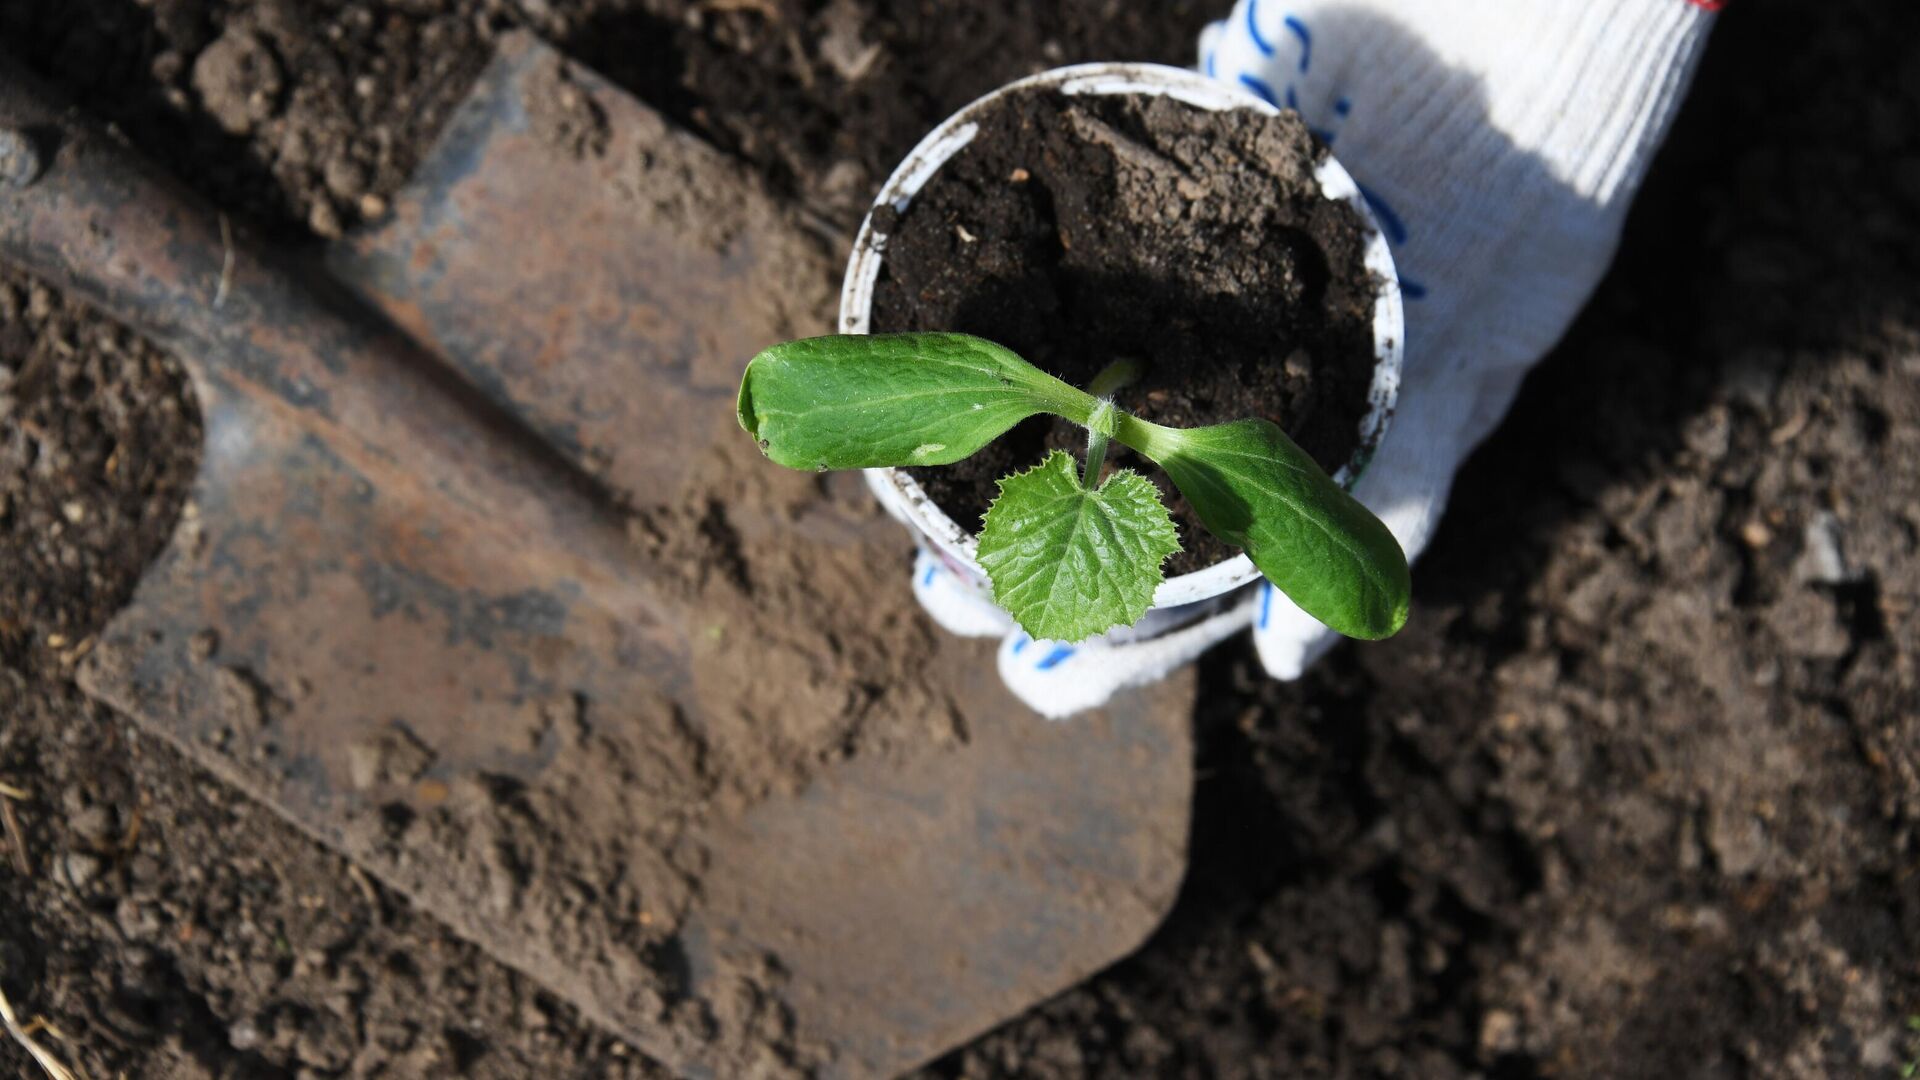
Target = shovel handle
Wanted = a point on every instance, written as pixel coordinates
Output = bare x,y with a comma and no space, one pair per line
274,336
79,208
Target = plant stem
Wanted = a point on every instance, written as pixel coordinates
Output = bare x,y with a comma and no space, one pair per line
1100,427
1103,419
1114,378
1096,458
1146,437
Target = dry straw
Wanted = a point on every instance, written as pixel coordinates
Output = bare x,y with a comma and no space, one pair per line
39,1053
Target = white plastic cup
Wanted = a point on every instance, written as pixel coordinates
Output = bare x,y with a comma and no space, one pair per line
1187,596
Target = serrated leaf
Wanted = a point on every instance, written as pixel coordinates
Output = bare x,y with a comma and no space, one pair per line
1068,563
884,400
1251,486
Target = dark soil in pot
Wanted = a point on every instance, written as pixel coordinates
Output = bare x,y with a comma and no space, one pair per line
1081,230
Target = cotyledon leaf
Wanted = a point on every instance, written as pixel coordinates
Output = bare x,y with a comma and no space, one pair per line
1068,563
888,400
1251,486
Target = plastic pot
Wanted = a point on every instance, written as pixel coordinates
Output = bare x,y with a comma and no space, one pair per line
1187,596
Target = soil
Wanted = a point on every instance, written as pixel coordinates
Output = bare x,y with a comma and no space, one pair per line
1636,793
1081,231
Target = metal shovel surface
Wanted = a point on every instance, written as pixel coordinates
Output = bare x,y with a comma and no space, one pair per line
433,598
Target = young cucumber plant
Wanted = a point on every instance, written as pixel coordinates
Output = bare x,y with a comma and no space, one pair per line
1070,555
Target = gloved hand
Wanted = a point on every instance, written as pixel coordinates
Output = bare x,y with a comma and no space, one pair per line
1499,143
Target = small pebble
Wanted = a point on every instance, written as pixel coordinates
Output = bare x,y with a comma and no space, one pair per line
324,220
93,824
1823,559
1499,1033
244,1035
81,869
137,921
1020,176
344,178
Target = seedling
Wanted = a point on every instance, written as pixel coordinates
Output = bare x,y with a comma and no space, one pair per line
1069,554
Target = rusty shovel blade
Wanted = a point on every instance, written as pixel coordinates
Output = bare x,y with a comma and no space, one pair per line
407,607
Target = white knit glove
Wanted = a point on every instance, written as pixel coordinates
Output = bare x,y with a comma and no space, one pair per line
1499,143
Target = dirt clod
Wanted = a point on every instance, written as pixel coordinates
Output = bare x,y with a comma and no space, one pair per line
20,159
388,757
239,80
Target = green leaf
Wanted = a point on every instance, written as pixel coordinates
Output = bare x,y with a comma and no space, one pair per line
870,401
1068,563
1251,486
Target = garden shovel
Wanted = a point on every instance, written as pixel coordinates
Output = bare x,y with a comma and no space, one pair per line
414,605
